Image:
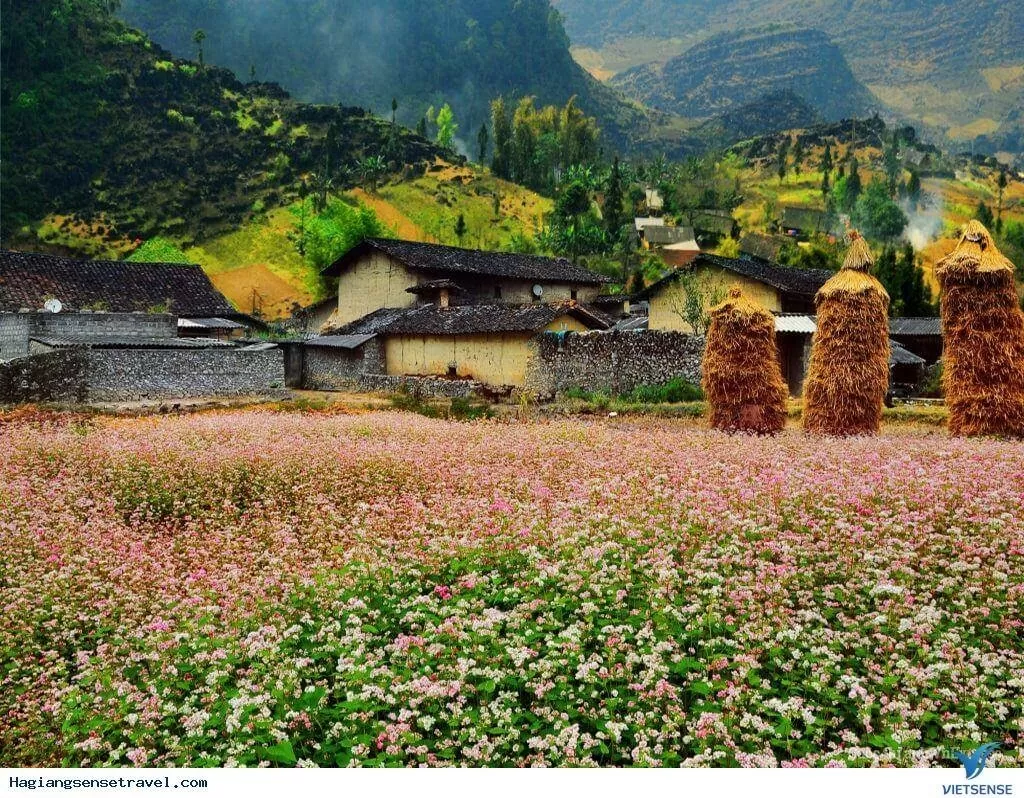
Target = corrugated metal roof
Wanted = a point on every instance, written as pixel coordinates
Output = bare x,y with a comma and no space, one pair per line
209,324
794,323
340,341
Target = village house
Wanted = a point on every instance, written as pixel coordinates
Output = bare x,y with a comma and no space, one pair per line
763,246
711,225
388,273
676,246
409,309
805,222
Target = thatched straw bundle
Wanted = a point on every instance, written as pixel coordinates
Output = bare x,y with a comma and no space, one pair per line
983,327
848,375
742,379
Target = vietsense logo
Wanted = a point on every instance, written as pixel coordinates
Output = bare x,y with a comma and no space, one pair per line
974,763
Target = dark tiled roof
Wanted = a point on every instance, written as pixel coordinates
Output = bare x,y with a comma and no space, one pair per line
807,219
900,356
468,319
27,279
113,342
661,234
915,325
434,285
762,246
712,220
340,341
801,282
442,260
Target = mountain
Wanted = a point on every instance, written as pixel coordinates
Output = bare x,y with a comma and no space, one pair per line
107,137
775,111
733,69
953,66
421,54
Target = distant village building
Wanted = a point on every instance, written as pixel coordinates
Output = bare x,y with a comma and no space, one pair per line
805,222
676,246
653,200
921,335
711,225
642,222
760,245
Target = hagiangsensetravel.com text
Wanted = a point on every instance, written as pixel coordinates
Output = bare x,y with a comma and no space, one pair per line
121,782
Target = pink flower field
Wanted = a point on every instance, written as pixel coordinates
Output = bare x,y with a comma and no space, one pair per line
252,587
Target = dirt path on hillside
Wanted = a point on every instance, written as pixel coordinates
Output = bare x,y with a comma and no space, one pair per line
403,226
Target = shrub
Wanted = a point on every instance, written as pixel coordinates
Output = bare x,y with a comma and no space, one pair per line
674,391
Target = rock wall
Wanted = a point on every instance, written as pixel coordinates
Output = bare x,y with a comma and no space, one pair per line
420,386
333,368
17,328
14,334
613,362
113,375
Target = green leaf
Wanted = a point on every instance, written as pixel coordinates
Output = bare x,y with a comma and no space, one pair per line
282,753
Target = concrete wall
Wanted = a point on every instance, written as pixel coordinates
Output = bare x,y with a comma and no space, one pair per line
717,282
134,374
614,362
17,328
332,368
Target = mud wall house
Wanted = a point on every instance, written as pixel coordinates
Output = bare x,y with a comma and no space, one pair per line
805,222
489,344
711,225
387,273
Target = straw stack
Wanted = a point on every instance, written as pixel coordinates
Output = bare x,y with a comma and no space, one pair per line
742,380
983,328
848,376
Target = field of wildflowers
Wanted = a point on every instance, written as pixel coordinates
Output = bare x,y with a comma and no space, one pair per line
250,587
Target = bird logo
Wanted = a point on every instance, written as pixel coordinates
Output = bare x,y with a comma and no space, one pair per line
974,762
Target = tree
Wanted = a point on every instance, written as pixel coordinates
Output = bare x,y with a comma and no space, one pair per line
826,159
612,210
252,73
371,168
693,299
460,228
446,127
903,280
783,154
984,214
338,228
877,215
421,127
798,154
481,143
197,39
914,189
1001,185
502,126
891,160
394,109
853,184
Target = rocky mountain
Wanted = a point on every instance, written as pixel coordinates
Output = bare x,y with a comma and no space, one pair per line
953,66
730,70
109,136
422,54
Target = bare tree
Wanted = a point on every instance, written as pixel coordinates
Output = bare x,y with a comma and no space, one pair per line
694,297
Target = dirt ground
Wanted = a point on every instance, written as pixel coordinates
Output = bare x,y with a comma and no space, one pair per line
276,294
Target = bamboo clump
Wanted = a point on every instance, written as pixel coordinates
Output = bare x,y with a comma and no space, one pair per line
983,332
848,375
742,380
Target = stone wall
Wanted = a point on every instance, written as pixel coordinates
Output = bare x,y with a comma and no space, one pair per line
613,362
332,368
420,386
109,375
53,377
17,328
130,374
14,334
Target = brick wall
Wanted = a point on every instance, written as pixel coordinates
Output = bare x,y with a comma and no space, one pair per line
613,362
17,328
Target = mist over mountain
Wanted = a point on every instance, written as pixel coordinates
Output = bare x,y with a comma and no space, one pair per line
733,69
464,52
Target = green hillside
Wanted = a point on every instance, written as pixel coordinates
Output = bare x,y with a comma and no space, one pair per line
463,52
108,138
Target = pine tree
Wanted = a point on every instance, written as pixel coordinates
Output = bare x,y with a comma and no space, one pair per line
421,127
481,142
914,188
501,125
826,159
612,210
460,228
887,272
984,214
853,184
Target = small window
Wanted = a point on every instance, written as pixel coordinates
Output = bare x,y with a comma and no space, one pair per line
572,294
497,292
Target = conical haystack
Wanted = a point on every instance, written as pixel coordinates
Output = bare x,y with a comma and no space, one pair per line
742,379
848,376
983,328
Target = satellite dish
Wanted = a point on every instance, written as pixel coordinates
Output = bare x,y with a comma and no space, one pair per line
53,306
538,290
